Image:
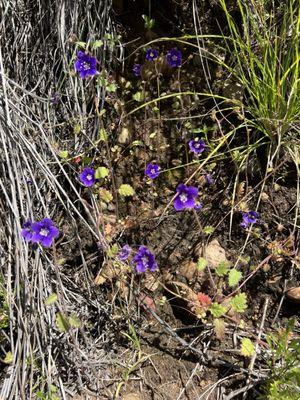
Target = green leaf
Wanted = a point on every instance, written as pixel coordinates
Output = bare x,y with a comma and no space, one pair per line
201,264
234,277
208,230
111,87
97,44
62,322
239,303
51,299
101,172
247,347
103,135
81,44
76,129
74,321
217,310
137,143
105,195
113,250
138,96
8,358
63,154
222,268
126,190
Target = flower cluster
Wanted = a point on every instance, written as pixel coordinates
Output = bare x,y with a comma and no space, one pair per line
174,59
186,197
152,171
43,232
143,260
249,218
87,177
85,65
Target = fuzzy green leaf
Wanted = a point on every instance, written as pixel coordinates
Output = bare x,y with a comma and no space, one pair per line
62,322
8,359
208,230
105,195
74,321
201,264
51,299
222,268
63,154
247,347
103,135
97,43
126,190
101,172
239,303
217,310
234,277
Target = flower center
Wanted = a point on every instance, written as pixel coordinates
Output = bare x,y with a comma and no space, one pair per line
86,66
145,261
174,58
152,171
44,232
89,177
183,197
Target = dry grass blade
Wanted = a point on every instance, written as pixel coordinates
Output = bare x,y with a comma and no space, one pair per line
37,43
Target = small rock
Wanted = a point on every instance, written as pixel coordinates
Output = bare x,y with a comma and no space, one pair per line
188,269
213,253
265,197
293,294
125,135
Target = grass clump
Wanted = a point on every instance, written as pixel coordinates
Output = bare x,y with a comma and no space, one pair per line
264,48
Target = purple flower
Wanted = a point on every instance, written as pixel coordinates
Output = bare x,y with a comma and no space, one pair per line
87,177
151,54
27,231
144,260
174,58
186,197
209,179
137,69
152,171
86,65
197,145
44,232
55,99
248,219
124,252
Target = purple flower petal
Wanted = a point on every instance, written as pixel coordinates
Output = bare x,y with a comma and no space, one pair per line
26,231
124,252
137,68
191,191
